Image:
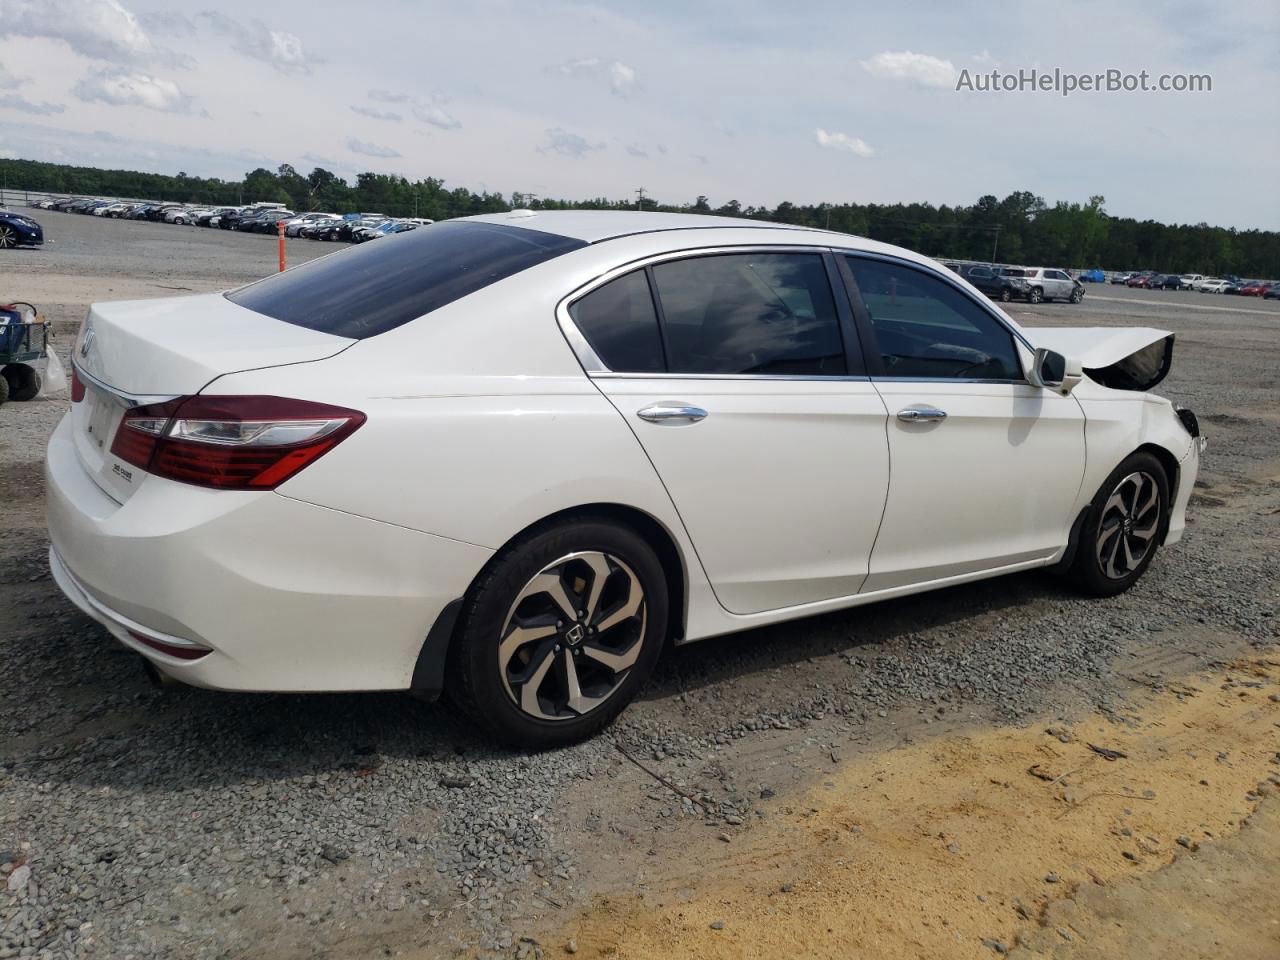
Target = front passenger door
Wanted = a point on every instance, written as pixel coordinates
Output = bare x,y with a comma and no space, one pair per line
985,467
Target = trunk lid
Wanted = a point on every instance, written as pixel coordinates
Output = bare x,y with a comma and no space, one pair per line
146,351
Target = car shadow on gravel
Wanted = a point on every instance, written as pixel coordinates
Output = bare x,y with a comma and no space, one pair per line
102,724
855,631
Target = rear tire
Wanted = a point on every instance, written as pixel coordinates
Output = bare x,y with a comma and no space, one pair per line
1005,294
1035,295
536,673
1124,527
4,390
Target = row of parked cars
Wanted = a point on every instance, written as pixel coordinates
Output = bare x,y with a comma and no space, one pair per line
1033,284
252,218
1150,280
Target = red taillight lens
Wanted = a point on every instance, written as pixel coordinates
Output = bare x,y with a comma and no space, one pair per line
231,443
77,386
183,652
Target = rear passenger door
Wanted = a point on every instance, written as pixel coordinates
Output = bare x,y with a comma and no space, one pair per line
739,373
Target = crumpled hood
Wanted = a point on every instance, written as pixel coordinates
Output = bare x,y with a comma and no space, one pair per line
1124,358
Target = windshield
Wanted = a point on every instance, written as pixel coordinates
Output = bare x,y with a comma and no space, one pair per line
375,287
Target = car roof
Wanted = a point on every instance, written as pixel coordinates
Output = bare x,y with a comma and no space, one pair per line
593,226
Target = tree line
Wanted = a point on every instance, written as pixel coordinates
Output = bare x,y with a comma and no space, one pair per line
1021,228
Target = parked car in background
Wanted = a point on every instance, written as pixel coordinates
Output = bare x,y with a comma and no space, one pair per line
1253,288
286,520
1000,283
1093,276
1141,280
1190,281
1048,283
1272,292
293,227
19,230
1121,278
1214,286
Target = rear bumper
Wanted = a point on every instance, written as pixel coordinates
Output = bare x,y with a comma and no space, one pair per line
288,596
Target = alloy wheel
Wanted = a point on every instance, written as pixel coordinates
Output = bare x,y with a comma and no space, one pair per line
1127,528
572,635
7,238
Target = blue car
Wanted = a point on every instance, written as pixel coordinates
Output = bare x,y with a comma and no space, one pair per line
18,230
1093,276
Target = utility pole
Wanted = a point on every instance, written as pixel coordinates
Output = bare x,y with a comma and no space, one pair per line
995,243
640,198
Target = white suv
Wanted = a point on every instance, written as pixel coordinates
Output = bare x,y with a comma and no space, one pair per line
1044,283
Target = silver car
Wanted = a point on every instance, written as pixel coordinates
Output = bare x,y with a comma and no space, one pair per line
1046,283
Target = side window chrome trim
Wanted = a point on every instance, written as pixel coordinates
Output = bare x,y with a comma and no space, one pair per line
611,375
950,281
595,367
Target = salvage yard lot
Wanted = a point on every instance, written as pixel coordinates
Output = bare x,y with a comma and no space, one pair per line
855,784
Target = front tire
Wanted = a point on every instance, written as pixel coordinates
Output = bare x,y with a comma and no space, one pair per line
1077,295
1005,294
1124,527
1035,295
559,633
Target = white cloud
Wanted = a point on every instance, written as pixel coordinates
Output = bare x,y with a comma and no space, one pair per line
16,101
437,116
370,149
635,150
569,144
101,29
920,68
9,81
842,142
620,77
386,96
985,59
376,114
259,42
122,87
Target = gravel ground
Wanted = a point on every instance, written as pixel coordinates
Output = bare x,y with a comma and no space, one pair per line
185,823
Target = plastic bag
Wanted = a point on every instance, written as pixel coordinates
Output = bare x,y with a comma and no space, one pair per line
55,377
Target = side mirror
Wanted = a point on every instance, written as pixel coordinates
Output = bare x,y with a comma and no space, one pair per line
1051,370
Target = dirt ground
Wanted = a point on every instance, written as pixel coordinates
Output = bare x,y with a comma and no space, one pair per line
994,837
874,763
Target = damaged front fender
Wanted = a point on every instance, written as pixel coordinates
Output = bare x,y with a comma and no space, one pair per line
1123,358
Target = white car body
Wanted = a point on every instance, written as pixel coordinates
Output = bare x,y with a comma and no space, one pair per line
1213,286
1192,281
493,413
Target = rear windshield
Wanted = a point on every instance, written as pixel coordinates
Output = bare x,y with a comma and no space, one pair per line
376,287
1010,272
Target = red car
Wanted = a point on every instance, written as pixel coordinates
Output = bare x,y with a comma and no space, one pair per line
1143,281
1255,289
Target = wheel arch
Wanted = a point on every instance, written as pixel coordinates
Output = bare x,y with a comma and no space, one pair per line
1172,470
429,670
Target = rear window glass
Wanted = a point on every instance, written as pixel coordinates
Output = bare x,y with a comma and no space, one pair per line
378,286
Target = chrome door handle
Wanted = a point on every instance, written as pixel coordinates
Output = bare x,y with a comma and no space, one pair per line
921,414
672,411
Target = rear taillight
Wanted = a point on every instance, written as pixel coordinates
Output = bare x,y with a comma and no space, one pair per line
231,443
77,386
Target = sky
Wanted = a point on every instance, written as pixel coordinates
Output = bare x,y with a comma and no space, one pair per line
751,100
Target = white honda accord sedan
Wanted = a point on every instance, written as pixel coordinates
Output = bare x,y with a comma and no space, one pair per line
511,457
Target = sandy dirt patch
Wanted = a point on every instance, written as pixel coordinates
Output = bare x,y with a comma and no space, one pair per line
962,846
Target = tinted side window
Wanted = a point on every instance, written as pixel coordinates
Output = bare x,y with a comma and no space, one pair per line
927,328
621,325
765,313
375,287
